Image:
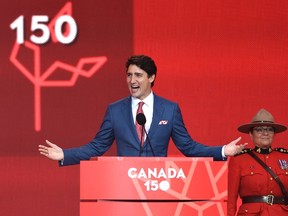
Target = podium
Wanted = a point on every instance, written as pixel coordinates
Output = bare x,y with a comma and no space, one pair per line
123,186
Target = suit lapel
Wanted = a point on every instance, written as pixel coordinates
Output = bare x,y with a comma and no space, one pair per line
158,110
127,114
157,115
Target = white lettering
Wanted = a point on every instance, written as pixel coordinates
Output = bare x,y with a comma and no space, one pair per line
151,173
142,174
181,174
132,173
155,173
162,174
171,173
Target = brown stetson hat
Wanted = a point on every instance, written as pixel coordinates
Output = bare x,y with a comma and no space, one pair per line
262,118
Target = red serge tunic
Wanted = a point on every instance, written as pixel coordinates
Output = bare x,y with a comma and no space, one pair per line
246,177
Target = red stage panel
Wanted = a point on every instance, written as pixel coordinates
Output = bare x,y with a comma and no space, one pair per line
153,208
152,183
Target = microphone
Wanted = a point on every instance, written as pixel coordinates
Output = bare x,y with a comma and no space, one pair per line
141,120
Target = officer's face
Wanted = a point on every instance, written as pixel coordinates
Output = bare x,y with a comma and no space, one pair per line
262,136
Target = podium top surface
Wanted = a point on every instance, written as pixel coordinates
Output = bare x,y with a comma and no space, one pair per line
112,158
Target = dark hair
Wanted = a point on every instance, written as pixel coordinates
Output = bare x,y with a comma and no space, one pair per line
145,63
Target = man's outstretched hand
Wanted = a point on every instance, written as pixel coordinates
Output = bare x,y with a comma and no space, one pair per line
51,151
232,149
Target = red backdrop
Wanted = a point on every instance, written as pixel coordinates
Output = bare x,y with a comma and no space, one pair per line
220,60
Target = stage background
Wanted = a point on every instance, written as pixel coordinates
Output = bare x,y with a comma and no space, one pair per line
220,60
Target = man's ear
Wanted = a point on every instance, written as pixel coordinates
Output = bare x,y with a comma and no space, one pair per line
152,78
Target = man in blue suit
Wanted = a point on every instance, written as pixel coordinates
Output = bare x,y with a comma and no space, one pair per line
162,121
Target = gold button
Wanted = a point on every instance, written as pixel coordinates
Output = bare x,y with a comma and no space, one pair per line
246,210
267,157
252,173
271,192
271,178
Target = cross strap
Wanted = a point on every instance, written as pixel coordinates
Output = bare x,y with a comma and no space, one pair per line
270,172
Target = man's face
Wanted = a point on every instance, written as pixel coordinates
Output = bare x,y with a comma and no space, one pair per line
138,82
262,136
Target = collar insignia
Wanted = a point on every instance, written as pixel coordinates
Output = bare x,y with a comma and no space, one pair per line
263,151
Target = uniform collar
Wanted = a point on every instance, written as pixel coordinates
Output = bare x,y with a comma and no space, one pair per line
263,151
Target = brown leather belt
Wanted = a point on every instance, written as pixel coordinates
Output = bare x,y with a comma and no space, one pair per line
269,199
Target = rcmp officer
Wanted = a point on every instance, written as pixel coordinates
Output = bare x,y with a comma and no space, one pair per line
262,188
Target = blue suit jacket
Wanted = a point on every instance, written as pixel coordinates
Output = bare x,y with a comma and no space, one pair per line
118,125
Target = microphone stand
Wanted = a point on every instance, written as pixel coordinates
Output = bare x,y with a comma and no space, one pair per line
141,147
141,120
149,143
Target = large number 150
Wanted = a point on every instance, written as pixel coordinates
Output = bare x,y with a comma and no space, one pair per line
39,23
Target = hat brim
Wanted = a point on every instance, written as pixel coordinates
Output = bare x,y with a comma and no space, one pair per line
246,128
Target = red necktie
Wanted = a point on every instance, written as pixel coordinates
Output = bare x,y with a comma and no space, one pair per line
139,128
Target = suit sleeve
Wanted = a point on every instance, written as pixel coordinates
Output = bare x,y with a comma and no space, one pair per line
186,144
98,146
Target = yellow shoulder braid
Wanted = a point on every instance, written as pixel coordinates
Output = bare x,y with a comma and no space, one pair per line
244,151
282,150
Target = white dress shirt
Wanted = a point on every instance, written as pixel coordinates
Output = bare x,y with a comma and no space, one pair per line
147,109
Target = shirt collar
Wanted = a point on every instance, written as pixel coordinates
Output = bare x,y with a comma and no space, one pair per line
148,100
